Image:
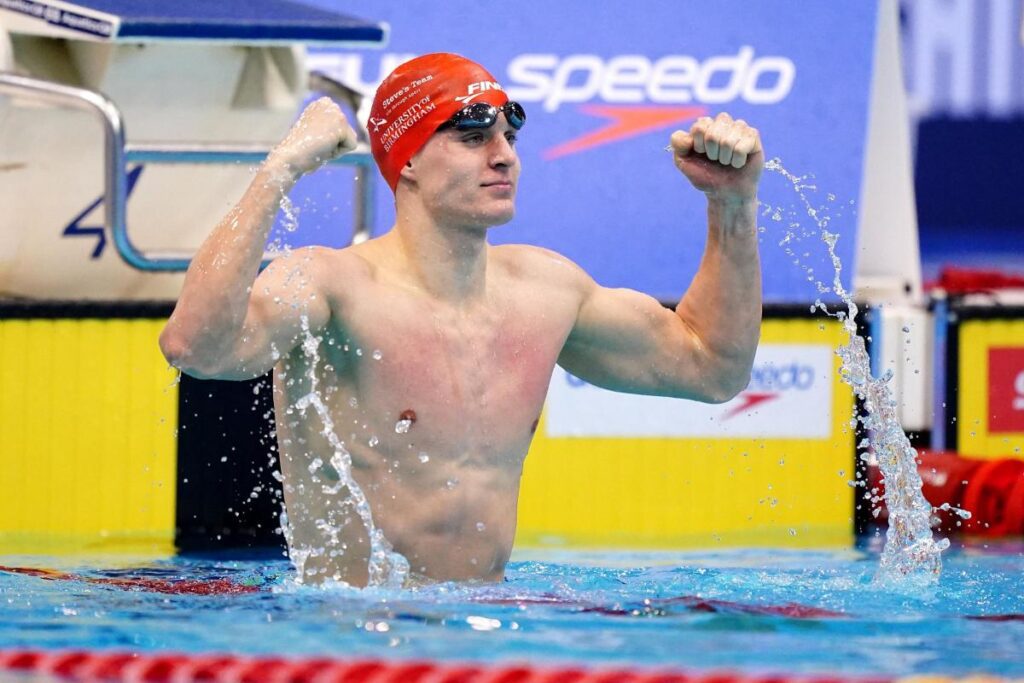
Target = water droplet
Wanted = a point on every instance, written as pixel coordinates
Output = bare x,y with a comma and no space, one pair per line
377,355
480,526
373,441
423,457
451,483
402,426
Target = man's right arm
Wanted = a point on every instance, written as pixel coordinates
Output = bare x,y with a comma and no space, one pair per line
227,323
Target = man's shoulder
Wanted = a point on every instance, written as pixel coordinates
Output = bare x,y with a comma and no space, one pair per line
530,261
315,261
335,274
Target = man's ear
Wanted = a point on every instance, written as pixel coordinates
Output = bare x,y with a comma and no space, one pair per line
407,171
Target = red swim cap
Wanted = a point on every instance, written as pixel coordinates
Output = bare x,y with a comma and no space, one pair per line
416,98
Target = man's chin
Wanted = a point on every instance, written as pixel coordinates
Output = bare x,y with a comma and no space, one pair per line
505,212
504,218
495,218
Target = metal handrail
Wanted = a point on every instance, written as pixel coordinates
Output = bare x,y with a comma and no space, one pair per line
117,155
180,153
114,190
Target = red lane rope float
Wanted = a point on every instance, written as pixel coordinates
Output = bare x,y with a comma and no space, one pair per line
166,586
85,665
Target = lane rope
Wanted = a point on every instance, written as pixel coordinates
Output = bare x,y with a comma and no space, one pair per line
85,665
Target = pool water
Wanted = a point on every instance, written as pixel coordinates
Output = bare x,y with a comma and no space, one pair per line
750,611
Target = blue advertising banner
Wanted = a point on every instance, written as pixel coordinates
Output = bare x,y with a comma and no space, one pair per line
604,87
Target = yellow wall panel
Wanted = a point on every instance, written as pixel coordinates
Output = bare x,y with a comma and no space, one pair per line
976,338
684,492
88,410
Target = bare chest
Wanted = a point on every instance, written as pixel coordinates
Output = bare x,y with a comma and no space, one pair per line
481,373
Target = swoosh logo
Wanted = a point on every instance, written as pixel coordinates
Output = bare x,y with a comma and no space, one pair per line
623,122
748,400
466,99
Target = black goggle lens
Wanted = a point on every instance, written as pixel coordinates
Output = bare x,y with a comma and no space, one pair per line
482,115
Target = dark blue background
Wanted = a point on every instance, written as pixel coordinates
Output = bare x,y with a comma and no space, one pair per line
969,177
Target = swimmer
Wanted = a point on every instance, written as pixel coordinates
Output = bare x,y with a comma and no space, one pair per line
437,348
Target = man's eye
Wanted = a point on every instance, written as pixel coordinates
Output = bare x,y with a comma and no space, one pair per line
473,137
512,138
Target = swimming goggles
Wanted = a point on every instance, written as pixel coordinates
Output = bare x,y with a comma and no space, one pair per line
483,115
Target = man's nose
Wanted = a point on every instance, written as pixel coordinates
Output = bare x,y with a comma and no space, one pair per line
502,152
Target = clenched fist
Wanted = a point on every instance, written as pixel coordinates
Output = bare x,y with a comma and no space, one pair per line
722,157
322,133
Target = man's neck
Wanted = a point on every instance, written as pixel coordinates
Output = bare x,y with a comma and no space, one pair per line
449,262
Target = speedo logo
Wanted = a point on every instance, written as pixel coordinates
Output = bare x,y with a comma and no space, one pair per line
768,381
635,95
631,79
793,376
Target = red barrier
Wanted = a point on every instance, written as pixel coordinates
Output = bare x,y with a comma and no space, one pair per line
975,281
180,668
991,490
990,498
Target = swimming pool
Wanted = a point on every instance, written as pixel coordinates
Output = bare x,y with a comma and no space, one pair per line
756,612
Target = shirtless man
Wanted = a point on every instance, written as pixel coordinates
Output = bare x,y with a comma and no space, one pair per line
436,349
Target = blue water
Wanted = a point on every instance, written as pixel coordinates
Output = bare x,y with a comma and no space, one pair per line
756,611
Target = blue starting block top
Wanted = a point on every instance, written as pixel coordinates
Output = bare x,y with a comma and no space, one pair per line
233,21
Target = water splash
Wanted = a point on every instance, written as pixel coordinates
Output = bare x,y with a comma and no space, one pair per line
387,567
911,555
290,213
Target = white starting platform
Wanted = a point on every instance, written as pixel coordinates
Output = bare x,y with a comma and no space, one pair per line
183,84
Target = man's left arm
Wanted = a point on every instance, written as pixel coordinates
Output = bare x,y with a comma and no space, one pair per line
704,350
